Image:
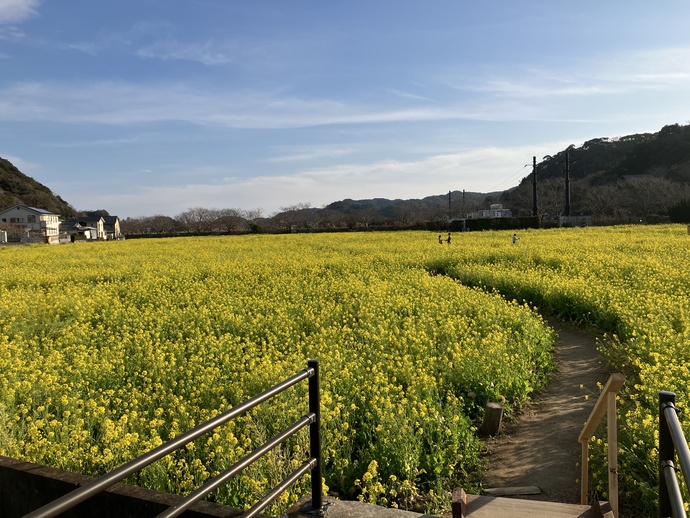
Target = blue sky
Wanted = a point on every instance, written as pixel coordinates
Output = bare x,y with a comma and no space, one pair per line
155,106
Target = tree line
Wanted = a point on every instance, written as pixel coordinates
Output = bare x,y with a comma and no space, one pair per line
649,198
300,217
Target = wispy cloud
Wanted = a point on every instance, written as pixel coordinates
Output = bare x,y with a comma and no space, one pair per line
534,96
406,95
161,40
620,73
10,32
308,153
126,40
87,47
129,103
484,169
96,142
16,11
650,69
22,164
207,53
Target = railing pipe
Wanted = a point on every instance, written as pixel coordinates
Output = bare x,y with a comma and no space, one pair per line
259,506
679,442
99,484
672,442
666,452
221,479
668,471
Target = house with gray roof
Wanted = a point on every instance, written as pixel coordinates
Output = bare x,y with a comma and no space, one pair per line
30,220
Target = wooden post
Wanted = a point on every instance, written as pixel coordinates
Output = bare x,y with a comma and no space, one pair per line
613,452
605,404
459,504
584,472
492,418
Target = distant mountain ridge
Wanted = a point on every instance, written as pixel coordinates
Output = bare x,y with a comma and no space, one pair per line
16,188
389,208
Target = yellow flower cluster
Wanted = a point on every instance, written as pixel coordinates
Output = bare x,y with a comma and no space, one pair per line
110,349
632,283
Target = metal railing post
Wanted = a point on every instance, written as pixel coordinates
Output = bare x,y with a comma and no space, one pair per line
666,453
315,436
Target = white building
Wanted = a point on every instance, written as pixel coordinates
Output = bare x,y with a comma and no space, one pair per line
495,210
31,220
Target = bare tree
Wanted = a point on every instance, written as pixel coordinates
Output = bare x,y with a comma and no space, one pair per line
650,195
600,201
253,214
407,213
229,219
198,219
160,224
296,207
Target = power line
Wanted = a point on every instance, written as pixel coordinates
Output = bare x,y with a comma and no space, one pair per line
510,180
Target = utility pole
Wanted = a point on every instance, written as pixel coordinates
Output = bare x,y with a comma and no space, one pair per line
534,186
567,184
448,207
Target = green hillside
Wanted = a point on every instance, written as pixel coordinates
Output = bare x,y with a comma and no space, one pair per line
18,189
621,179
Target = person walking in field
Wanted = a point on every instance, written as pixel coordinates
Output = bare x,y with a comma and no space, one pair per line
515,238
440,241
448,240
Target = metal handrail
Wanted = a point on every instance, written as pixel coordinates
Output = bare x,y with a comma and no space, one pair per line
672,442
606,404
101,483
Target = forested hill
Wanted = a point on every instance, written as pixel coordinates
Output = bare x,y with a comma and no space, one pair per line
664,154
631,178
18,189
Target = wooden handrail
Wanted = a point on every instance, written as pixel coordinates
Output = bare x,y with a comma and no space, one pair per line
606,404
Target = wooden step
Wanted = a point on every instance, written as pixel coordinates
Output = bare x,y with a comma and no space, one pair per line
476,506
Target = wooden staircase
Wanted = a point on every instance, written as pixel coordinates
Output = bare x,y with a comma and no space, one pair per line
497,506
476,506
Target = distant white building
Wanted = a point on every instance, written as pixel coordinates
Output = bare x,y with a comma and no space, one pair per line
495,210
111,227
31,220
91,227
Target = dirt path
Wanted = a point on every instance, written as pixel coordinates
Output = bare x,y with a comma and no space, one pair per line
540,447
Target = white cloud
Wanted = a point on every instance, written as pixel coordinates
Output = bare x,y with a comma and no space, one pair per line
16,11
23,165
478,170
207,53
649,69
129,103
308,153
529,94
406,95
611,74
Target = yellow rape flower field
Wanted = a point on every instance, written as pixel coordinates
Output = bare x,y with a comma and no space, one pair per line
109,349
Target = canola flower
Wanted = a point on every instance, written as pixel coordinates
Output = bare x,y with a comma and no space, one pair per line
109,349
632,284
